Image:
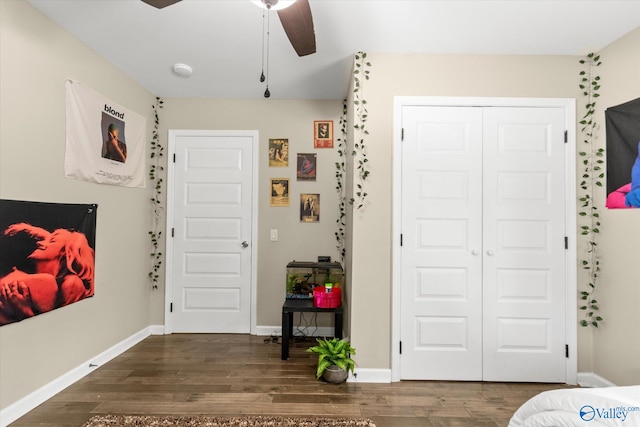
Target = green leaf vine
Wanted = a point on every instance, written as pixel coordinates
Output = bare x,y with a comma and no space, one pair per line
341,169
592,180
155,175
361,71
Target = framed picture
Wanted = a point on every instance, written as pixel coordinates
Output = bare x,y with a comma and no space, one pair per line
323,134
279,192
306,166
279,152
309,207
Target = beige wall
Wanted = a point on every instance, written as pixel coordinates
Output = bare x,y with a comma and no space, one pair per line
297,241
423,75
616,343
36,57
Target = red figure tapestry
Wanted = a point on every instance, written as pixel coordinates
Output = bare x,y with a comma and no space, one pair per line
47,257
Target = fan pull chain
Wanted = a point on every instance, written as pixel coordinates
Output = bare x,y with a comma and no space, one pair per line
267,94
262,78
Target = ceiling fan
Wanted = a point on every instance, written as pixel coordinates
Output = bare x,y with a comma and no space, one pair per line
296,21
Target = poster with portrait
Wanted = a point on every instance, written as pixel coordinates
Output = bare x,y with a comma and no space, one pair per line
47,257
279,192
307,165
279,152
105,142
623,155
309,207
323,134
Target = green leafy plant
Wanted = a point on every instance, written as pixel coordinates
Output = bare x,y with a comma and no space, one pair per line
592,180
334,351
359,152
155,175
292,281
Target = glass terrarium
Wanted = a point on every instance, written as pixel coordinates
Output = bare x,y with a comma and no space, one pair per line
303,277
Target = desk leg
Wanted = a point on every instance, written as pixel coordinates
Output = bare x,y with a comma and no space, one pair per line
338,325
286,321
291,324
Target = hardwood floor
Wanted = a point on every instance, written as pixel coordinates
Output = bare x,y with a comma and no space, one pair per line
189,374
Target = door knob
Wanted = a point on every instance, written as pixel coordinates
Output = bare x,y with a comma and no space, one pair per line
245,244
490,252
474,252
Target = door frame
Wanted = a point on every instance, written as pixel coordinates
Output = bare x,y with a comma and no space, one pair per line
168,294
569,106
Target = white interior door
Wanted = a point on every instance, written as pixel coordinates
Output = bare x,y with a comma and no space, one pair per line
212,221
524,249
441,227
483,257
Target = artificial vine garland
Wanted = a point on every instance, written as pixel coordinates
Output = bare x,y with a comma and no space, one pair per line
593,174
341,168
359,149
155,171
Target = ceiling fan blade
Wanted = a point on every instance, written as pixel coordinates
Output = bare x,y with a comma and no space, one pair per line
298,25
160,3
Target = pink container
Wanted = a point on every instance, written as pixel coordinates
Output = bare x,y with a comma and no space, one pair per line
324,299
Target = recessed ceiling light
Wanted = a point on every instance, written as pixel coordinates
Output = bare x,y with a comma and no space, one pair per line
183,70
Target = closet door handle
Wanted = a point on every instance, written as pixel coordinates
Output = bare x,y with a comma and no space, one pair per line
490,252
475,252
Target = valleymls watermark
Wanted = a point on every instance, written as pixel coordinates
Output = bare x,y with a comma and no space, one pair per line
590,413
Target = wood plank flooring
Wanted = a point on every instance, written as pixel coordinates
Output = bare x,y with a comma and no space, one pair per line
227,375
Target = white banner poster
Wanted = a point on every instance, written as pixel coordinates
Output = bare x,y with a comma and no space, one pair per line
105,141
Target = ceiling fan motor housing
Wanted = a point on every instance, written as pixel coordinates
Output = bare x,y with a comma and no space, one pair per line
270,3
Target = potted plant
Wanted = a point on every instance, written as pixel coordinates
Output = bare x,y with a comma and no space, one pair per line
334,359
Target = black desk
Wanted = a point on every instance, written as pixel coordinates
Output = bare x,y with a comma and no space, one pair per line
291,306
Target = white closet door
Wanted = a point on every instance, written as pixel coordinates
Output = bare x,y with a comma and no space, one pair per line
523,239
483,257
441,250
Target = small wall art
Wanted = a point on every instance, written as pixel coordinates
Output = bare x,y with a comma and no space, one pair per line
279,152
309,207
279,192
323,134
307,164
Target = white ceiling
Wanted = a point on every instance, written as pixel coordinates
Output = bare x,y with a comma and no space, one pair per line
222,39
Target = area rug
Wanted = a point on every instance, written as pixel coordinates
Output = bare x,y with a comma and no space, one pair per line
202,421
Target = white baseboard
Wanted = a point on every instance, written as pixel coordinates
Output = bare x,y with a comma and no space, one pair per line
268,330
157,330
371,376
32,400
589,379
310,331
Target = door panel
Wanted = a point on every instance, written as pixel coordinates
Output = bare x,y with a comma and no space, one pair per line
212,218
441,296
523,223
